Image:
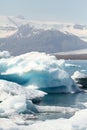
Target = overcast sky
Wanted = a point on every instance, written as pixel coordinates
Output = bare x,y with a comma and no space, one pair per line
73,11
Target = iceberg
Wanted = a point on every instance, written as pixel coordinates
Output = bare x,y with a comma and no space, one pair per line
39,70
16,99
11,89
80,78
78,75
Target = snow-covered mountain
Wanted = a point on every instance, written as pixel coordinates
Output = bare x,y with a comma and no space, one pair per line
12,23
19,35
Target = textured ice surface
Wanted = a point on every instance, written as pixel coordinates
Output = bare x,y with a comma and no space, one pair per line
14,98
76,122
8,88
38,70
78,74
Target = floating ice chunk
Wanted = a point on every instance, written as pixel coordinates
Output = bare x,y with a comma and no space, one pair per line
16,104
37,69
56,109
72,65
15,98
78,75
9,88
80,78
13,104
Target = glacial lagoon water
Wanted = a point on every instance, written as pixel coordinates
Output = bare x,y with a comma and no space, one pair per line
56,106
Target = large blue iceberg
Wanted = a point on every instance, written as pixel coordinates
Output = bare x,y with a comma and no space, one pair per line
38,71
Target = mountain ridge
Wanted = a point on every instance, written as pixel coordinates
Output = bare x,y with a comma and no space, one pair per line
21,36
76,29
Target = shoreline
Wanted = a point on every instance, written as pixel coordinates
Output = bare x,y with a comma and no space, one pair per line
71,56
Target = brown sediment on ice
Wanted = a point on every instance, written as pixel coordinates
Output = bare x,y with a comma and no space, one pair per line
72,56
